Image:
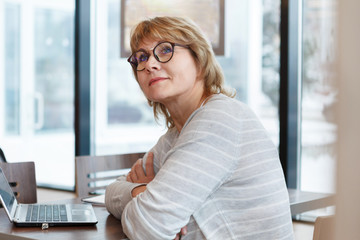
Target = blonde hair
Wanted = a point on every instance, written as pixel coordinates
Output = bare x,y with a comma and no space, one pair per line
182,31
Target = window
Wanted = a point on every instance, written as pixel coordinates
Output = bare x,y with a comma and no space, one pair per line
319,94
12,70
124,121
37,83
38,113
318,156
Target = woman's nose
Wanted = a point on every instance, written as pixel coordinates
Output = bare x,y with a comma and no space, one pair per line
152,63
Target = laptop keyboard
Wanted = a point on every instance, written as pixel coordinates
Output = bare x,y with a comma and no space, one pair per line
46,213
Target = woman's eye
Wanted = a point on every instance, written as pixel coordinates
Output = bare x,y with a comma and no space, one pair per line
166,49
142,58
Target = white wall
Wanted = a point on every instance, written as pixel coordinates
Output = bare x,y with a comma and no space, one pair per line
348,114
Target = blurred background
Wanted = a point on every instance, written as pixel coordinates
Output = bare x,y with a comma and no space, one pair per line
37,110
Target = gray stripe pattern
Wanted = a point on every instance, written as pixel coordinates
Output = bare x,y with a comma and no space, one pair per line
221,176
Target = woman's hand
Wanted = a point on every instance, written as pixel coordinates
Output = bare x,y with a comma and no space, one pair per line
137,190
137,173
182,232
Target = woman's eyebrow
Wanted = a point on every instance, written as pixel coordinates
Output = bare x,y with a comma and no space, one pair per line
157,43
142,49
150,49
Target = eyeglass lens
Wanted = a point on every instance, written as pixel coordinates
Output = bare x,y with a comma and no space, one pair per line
163,52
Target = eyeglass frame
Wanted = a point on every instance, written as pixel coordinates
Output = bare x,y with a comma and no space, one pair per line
155,56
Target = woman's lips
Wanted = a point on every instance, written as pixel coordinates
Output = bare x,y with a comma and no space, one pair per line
155,80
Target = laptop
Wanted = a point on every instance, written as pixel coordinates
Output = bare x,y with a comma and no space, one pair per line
44,215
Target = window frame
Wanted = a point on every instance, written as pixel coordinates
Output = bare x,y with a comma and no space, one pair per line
290,91
83,77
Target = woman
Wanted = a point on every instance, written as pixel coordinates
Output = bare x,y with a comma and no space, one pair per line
215,174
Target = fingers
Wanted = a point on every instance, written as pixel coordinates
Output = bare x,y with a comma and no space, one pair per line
149,165
131,177
138,169
183,230
137,173
177,237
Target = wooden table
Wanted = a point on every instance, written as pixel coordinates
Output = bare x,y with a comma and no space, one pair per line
107,228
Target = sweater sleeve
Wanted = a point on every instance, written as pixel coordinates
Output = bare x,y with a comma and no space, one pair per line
118,193
201,160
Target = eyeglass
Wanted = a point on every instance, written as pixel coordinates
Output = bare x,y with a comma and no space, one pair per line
163,52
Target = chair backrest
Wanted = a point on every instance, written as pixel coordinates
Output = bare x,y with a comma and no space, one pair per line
324,228
94,173
21,177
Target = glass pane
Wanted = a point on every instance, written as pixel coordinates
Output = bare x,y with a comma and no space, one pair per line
54,70
126,106
12,68
124,121
270,85
251,63
318,156
39,87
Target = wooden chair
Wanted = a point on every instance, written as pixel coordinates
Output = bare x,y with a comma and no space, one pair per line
21,177
94,173
324,228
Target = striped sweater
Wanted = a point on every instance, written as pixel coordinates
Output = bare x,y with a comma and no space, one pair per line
221,176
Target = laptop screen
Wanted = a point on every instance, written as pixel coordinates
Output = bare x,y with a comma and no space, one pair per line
6,192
